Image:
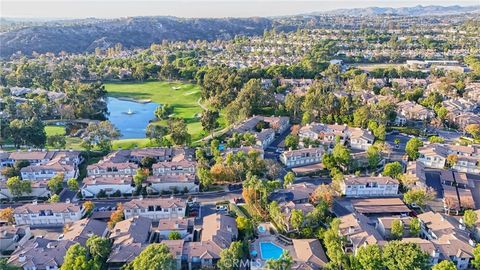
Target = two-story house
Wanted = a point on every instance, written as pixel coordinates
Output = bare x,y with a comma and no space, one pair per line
155,209
361,139
40,253
450,238
48,170
172,183
182,167
47,214
93,185
302,157
433,155
111,168
218,232
368,186
129,238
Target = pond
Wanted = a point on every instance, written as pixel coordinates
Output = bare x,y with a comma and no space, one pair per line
130,117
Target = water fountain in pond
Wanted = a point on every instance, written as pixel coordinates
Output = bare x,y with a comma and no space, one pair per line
129,112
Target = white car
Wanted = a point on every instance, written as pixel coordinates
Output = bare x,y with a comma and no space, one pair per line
221,207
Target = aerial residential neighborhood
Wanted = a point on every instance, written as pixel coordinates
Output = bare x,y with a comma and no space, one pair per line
343,138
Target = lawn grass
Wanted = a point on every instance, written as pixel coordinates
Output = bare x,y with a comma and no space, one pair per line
372,66
131,143
184,100
55,130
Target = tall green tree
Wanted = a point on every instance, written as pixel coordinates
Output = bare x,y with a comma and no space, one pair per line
393,169
163,112
405,256
296,219
476,257
99,249
72,184
397,229
76,258
333,244
417,196
155,132
288,179
291,142
415,227
470,218
17,187
370,257
100,135
209,120
374,157
154,256
178,131
412,148
230,258
55,184
341,155
445,265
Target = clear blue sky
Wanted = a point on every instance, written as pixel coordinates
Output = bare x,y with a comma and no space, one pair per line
192,8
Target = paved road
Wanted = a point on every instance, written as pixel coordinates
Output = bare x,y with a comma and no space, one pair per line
390,138
449,136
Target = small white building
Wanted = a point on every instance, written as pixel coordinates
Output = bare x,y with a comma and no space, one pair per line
47,214
110,184
155,209
174,168
47,171
433,156
468,165
265,137
361,139
172,183
367,186
111,168
302,157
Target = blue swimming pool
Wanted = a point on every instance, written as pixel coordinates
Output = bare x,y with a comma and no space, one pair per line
269,250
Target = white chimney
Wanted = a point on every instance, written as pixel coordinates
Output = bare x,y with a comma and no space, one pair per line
67,200
22,258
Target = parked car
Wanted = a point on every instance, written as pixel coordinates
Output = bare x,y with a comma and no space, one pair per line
221,207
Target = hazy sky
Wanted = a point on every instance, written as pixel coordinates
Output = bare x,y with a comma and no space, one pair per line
192,8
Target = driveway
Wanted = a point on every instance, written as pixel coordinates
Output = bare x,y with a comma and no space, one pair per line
433,181
476,189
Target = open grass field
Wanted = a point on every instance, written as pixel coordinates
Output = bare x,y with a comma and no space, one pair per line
184,97
55,130
370,67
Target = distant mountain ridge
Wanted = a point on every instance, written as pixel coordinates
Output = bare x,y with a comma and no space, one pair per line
403,11
84,35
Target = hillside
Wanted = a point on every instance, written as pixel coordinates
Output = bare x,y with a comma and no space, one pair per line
404,11
131,32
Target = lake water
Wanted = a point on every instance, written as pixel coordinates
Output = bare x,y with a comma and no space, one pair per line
130,125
